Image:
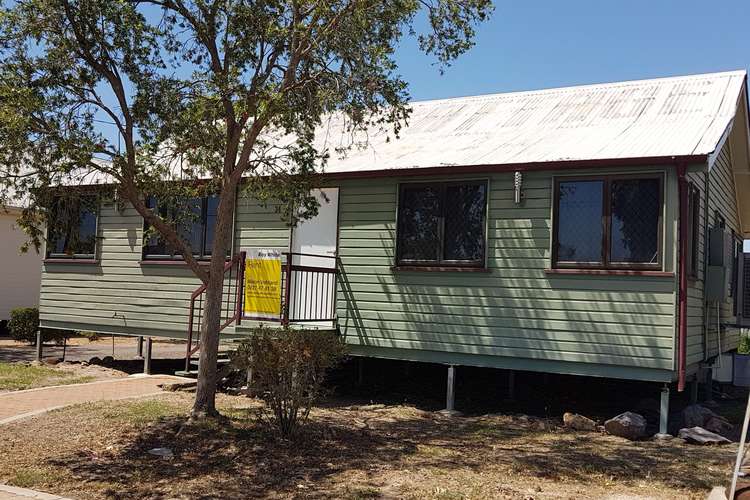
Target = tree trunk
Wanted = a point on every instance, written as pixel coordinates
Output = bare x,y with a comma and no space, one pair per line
205,393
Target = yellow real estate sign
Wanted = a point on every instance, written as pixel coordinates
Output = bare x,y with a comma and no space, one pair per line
262,284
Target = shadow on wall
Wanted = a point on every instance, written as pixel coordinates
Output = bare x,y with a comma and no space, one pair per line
515,310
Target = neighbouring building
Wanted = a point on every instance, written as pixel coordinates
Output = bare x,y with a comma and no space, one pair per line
20,273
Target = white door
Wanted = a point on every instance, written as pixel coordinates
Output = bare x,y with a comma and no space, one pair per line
314,240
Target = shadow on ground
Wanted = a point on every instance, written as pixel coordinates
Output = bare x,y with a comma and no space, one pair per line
383,437
485,390
244,459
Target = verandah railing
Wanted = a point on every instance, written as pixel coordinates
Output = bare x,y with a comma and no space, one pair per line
308,295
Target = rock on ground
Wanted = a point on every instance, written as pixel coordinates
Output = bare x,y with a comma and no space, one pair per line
719,425
628,425
696,415
700,416
699,435
578,422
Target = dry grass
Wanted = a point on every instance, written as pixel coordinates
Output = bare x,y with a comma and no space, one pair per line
18,376
347,451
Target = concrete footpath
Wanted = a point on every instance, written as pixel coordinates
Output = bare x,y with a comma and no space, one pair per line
14,493
22,404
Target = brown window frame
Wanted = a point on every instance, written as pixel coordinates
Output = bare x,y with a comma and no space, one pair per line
441,263
607,224
694,217
51,256
199,254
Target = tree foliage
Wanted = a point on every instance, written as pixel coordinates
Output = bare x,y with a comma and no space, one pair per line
209,91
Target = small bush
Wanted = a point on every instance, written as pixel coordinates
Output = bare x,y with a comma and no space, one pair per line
288,368
744,346
24,323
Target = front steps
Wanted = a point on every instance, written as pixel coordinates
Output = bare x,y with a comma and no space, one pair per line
221,362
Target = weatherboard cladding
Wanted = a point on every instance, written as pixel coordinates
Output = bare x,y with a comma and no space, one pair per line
724,202
695,341
120,295
514,310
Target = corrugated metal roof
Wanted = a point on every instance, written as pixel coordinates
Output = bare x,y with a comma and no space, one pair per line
662,117
677,116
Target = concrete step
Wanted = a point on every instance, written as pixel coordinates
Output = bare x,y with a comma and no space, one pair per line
219,362
193,371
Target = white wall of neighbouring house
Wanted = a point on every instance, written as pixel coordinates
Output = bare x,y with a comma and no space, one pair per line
20,274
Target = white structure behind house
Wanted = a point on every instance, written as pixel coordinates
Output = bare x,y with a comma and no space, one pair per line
20,274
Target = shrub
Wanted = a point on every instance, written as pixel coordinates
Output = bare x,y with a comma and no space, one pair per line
288,368
744,347
24,323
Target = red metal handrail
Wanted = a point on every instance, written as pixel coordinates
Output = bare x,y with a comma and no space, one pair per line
239,261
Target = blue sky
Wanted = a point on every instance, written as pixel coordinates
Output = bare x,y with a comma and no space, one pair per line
536,44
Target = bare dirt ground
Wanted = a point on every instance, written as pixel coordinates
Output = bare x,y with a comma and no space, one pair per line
349,450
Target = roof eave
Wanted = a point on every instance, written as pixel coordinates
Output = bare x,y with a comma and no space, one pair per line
653,161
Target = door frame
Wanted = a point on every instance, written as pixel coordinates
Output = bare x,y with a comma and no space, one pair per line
338,222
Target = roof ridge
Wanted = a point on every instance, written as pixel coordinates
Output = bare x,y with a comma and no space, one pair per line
571,88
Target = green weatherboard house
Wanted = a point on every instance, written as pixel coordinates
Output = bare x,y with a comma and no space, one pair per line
589,230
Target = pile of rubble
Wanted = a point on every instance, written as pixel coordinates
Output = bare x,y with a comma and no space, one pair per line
698,425
703,426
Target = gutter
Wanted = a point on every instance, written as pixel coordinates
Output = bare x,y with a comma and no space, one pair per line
682,273
638,161
656,161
